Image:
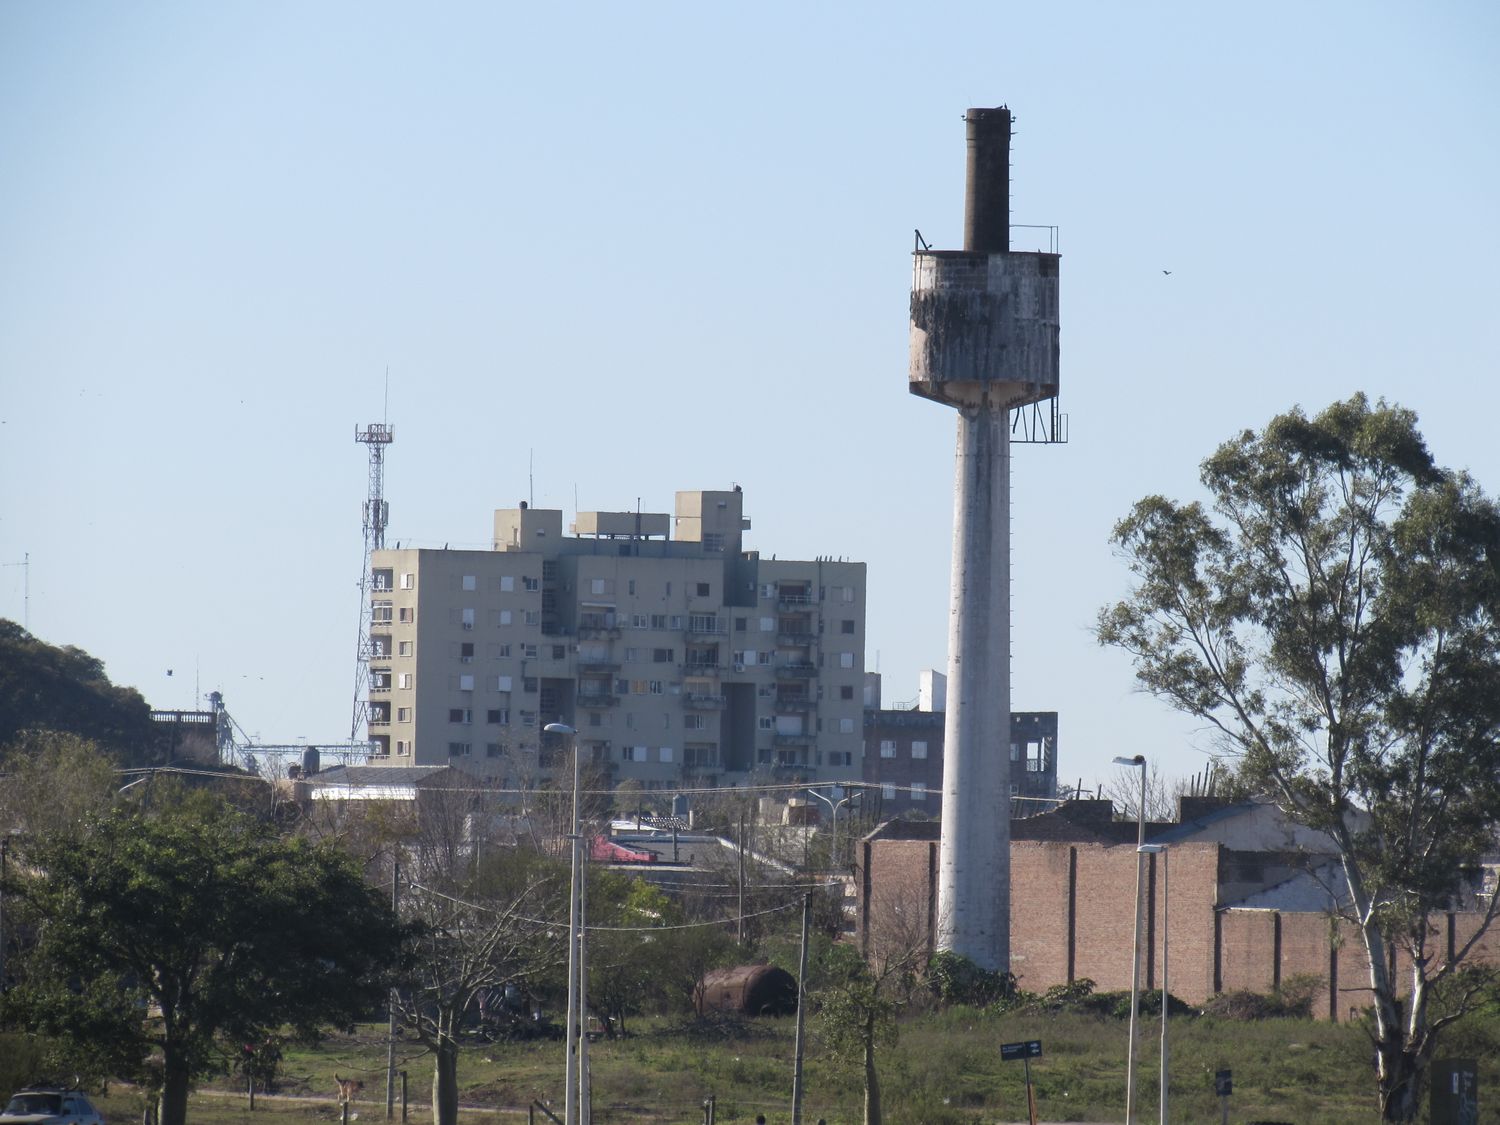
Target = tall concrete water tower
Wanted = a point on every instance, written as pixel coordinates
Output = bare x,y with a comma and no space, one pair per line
984,340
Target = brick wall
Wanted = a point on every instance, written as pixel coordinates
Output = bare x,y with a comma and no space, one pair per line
1073,916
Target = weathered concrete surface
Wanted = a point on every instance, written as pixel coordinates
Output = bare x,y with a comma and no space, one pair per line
974,858
984,326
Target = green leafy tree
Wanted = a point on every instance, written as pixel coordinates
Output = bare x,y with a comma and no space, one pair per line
1334,619
193,928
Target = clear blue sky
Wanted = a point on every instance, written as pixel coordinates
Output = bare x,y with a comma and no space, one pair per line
666,246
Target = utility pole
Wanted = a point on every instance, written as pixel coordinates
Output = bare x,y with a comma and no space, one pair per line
390,1035
739,929
801,1010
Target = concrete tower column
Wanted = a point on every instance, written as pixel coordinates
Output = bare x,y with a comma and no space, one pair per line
974,860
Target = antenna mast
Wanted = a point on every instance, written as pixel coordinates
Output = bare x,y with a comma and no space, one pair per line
377,513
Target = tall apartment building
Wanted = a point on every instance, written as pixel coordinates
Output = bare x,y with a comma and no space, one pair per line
677,656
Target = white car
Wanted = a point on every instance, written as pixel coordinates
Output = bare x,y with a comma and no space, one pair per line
44,1105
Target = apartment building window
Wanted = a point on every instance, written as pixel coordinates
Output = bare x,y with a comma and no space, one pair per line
380,613
848,593
846,691
467,617
466,653
703,589
403,648
703,623
665,753
503,618
1015,751
847,625
768,624
470,582
403,714
629,721
532,584
596,586
491,749
674,621
632,753
528,683
460,715
501,651
765,656
846,726
507,583
466,683
663,655
766,722
888,792
639,620
403,680
630,587
459,749
559,652
528,651
658,621
693,722
918,791
767,590
655,687
846,660
596,719
841,758
533,617
528,718
622,687
403,747
740,623
408,581
668,590
887,748
498,716
407,615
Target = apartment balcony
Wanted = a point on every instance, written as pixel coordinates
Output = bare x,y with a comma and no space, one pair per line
706,628
597,701
703,702
598,632
790,601
803,739
597,666
799,638
702,668
796,671
795,703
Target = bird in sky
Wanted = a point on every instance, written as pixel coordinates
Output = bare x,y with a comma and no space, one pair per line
1167,272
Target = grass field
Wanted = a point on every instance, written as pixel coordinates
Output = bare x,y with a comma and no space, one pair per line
945,1070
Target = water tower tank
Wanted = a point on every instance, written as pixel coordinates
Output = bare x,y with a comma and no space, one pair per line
310,759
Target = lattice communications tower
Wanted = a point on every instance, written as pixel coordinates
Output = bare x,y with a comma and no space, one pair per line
377,512
984,340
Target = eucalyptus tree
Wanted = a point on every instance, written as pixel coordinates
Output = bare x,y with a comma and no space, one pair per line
1333,614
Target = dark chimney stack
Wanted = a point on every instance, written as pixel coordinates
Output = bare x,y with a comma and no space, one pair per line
987,192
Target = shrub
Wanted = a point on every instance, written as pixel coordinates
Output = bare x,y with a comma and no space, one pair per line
1294,1000
954,979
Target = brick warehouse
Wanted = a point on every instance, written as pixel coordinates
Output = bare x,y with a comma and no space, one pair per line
1073,904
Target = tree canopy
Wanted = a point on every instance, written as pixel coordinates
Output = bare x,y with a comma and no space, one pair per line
190,927
44,687
1334,615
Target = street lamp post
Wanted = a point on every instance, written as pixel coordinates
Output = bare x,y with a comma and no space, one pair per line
1139,762
570,1091
833,815
1166,889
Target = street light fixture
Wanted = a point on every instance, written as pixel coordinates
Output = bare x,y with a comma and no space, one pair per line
833,814
570,1091
1139,762
1166,887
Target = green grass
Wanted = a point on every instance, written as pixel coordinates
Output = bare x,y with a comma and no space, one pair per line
945,1070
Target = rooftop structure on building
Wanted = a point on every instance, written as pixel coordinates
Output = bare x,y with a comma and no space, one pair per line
678,656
